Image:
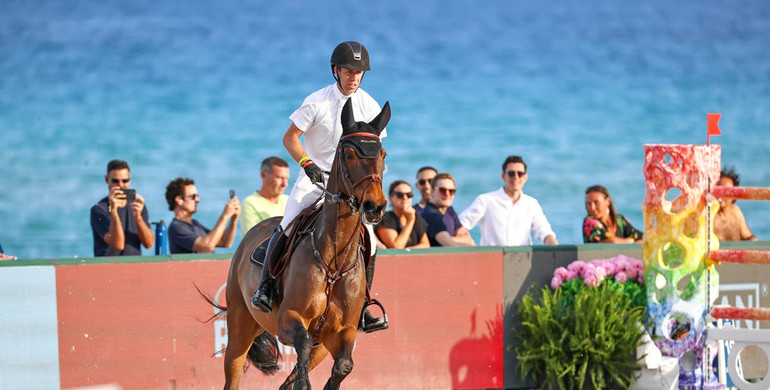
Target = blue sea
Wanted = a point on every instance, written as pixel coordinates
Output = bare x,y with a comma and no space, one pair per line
204,89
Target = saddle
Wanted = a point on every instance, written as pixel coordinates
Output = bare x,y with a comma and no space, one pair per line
302,224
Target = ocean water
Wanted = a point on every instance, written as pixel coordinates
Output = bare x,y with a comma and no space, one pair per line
204,89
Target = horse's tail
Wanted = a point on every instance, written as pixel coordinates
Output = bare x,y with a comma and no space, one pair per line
264,353
222,309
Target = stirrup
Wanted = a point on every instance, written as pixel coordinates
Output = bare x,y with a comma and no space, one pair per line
373,327
264,306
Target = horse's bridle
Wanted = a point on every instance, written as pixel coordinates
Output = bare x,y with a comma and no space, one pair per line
333,275
350,200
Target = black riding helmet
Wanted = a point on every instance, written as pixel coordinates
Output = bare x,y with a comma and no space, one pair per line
350,55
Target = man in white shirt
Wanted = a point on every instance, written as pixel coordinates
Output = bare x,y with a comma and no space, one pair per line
508,216
317,121
269,201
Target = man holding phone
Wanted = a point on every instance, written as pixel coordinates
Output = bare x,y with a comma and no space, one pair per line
120,222
185,233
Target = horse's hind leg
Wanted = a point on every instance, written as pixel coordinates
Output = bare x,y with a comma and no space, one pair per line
342,350
240,336
317,355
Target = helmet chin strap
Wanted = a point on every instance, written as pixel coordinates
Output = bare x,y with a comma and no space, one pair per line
339,83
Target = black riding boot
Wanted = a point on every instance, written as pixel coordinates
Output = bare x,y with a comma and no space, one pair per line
263,297
371,323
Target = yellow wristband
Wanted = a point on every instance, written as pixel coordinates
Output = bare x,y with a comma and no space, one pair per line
303,159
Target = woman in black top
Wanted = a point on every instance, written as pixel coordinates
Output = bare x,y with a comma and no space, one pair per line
402,227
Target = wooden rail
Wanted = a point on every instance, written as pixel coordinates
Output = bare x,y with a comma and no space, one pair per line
749,193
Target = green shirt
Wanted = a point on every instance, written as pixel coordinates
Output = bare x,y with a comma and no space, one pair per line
255,209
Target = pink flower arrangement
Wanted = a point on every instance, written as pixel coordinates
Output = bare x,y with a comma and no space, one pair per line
620,268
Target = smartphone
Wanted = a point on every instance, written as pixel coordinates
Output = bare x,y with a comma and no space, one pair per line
130,194
232,194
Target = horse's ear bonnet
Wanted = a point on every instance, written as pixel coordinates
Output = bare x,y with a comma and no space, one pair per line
365,147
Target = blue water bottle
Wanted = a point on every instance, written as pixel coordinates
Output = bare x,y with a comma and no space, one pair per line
161,240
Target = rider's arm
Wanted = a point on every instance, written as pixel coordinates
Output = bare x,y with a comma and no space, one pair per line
292,142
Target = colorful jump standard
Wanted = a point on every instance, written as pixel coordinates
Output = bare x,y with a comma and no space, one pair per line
675,252
680,251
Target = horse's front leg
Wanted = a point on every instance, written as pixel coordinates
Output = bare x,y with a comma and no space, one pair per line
317,355
342,349
302,344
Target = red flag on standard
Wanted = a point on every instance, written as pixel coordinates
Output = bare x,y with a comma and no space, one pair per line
713,126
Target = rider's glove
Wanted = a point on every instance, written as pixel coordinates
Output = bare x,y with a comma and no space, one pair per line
313,172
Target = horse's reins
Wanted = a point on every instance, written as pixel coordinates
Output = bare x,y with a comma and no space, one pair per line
333,275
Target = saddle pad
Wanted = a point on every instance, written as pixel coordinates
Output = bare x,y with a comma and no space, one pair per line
258,256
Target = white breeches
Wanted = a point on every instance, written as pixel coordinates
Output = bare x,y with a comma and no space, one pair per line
302,195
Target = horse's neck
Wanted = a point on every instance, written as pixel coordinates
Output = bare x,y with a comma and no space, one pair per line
337,224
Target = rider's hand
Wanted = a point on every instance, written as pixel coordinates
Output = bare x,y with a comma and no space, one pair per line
314,173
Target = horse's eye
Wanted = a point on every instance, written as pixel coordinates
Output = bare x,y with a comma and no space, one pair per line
348,155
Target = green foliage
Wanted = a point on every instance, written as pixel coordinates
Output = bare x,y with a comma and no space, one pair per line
579,336
635,292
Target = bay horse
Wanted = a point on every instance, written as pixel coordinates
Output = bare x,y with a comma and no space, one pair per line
323,282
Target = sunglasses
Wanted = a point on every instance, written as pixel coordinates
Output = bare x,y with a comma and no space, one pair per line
515,173
400,194
447,191
191,196
423,181
116,181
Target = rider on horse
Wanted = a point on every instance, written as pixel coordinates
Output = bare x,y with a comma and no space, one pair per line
319,120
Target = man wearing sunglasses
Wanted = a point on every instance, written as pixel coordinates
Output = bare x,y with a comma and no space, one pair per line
508,216
120,224
424,176
186,234
443,231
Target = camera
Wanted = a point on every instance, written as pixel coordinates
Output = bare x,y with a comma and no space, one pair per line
130,194
232,194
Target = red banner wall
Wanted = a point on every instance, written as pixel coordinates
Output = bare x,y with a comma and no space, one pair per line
140,325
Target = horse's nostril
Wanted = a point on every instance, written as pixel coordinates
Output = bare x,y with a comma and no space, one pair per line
369,207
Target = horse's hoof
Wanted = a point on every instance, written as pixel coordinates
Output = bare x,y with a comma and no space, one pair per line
301,384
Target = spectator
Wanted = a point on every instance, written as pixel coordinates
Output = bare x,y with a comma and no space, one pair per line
508,216
3,256
402,227
729,223
269,201
444,228
424,176
187,235
119,230
603,224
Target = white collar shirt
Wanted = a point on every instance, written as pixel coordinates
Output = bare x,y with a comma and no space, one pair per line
319,118
505,223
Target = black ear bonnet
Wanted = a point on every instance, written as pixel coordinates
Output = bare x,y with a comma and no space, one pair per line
363,137
365,147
